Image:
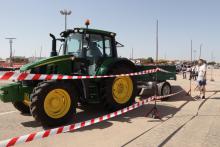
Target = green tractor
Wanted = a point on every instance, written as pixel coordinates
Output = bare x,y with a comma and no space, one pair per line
84,51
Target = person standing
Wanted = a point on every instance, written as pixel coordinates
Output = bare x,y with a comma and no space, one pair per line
201,79
184,71
196,72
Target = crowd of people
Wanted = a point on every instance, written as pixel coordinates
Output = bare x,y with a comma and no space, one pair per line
198,73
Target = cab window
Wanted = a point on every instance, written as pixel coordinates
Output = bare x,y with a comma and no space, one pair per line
95,46
108,47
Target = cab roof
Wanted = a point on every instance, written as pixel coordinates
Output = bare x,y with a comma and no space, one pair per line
88,30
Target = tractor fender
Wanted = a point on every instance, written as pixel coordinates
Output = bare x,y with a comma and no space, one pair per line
108,64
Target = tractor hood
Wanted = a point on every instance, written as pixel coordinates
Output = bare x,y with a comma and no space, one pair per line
50,60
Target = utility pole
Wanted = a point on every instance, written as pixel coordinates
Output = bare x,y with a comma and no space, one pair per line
10,43
200,51
157,46
212,60
154,110
191,52
65,13
194,53
40,51
132,54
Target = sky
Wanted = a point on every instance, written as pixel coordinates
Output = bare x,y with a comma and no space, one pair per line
134,21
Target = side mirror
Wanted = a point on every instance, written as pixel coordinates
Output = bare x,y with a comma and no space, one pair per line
119,44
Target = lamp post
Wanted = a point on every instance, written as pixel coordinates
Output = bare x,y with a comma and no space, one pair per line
65,13
10,43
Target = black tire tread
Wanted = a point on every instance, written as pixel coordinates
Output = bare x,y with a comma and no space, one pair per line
35,103
20,106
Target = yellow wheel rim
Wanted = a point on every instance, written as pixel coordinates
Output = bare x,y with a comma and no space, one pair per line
57,103
122,89
26,101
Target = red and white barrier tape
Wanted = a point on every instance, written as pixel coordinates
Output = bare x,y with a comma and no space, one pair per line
72,127
26,76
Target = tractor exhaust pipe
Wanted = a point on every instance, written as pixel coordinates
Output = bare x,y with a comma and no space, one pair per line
54,46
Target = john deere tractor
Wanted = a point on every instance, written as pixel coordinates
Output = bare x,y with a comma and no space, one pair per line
84,51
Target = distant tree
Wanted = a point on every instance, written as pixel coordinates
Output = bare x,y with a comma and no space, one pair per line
162,61
212,63
150,60
19,59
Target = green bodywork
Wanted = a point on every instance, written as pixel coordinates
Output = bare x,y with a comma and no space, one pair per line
14,92
62,64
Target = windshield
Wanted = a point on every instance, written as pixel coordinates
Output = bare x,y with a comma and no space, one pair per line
74,45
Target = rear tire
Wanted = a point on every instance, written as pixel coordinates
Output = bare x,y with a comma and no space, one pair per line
125,86
52,103
22,107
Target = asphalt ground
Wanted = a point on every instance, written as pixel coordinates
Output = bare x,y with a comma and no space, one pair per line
186,121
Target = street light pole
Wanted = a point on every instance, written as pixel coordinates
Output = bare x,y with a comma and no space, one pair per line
10,43
65,13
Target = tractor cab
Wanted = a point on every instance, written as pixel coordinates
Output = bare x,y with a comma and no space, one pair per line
91,45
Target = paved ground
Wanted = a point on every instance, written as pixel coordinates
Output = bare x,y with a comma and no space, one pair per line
186,122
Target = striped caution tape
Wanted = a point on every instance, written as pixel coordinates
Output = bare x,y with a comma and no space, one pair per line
27,76
165,96
72,127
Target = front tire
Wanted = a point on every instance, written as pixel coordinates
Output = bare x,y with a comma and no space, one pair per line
22,107
52,103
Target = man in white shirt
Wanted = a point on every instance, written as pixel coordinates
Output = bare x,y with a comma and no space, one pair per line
202,77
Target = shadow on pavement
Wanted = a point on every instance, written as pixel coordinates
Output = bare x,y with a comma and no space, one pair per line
193,117
178,129
164,113
31,124
94,111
